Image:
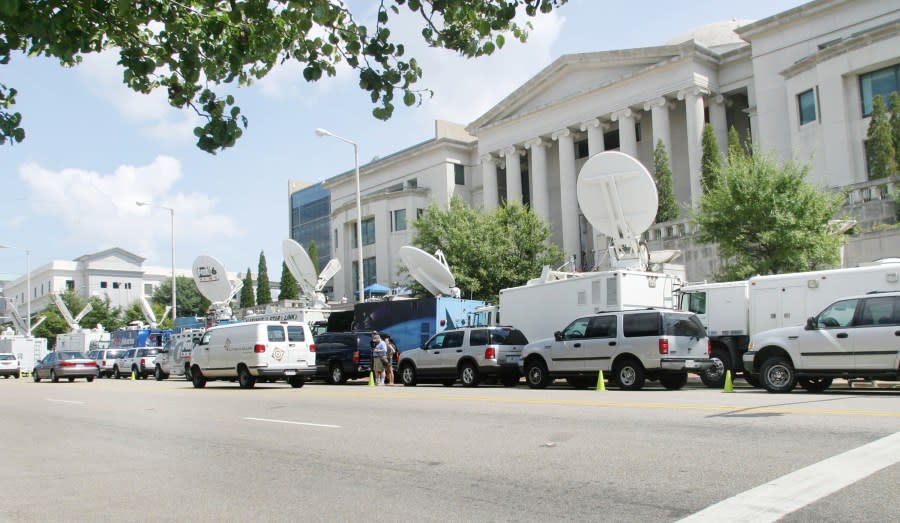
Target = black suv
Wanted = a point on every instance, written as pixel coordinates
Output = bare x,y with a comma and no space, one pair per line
343,355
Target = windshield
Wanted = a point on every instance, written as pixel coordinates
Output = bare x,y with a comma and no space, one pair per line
7,357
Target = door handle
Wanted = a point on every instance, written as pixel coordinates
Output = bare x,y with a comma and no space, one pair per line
842,335
612,344
896,333
207,348
577,345
458,350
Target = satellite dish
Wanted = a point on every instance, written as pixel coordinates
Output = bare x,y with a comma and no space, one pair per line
431,271
301,267
618,197
211,279
149,315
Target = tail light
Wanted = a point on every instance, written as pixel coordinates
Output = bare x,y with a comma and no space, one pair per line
91,364
709,348
663,346
356,356
490,353
259,348
312,347
67,364
104,361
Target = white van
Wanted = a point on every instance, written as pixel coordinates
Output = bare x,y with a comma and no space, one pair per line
270,350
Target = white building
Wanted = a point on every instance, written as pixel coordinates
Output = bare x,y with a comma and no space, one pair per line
799,83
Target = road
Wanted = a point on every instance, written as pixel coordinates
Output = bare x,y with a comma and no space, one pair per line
163,451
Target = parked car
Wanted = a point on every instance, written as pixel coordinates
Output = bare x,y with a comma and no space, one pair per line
9,365
343,355
633,345
137,361
65,364
854,337
106,359
469,354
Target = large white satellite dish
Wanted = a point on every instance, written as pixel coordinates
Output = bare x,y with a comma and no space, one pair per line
618,197
301,267
211,279
431,271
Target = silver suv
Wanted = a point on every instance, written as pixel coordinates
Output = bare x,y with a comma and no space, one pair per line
106,360
854,337
635,345
470,354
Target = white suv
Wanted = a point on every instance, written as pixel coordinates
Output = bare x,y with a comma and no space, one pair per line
635,345
854,337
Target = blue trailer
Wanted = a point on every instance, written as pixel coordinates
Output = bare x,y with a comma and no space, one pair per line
410,322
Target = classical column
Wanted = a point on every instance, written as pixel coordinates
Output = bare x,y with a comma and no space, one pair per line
513,174
540,199
718,120
489,190
627,136
693,107
567,194
595,129
659,115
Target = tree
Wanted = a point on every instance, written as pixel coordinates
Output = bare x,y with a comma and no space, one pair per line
263,291
289,289
736,149
102,313
880,143
486,252
766,219
248,299
189,300
197,50
895,125
711,161
668,205
313,252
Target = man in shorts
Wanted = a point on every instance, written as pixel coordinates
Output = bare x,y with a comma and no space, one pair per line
379,356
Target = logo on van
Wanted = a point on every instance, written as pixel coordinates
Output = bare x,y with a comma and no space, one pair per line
278,354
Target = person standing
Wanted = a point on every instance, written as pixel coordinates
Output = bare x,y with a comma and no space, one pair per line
391,356
379,357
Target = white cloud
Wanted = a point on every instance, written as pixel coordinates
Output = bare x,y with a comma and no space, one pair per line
99,210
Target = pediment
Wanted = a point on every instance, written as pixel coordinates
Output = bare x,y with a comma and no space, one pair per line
115,259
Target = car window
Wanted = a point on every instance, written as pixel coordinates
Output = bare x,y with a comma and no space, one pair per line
295,333
436,342
478,337
503,336
148,352
877,311
453,339
275,332
7,357
602,327
50,358
838,315
641,324
683,325
694,302
576,329
114,354
70,355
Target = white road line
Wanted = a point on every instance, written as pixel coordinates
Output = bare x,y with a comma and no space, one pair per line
791,492
295,423
73,402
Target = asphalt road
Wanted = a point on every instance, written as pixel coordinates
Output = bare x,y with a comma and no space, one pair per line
163,451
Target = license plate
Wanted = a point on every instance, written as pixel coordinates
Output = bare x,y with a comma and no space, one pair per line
690,364
512,358
290,372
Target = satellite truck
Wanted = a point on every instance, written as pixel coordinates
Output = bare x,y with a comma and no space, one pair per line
637,279
28,349
734,311
79,339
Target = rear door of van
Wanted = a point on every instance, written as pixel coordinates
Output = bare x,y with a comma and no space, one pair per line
288,346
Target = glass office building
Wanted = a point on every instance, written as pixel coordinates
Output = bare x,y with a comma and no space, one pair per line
311,220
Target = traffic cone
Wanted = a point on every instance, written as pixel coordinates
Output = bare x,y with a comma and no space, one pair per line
601,383
371,379
133,376
729,386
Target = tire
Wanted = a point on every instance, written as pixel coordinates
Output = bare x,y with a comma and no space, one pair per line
629,374
53,377
815,384
90,379
158,373
777,375
714,377
579,382
245,379
187,372
198,379
510,380
116,373
536,374
296,382
673,381
408,375
35,377
468,374
336,374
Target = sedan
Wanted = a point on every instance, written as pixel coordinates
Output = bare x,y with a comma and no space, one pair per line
69,365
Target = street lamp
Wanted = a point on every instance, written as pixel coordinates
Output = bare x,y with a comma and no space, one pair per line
324,132
172,216
27,286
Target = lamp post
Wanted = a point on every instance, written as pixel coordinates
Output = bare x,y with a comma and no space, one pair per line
172,216
27,286
324,132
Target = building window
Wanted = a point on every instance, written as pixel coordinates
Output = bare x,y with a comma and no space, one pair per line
115,285
398,220
102,284
637,131
459,173
883,82
148,289
369,272
70,285
806,101
335,239
419,213
412,183
128,285
581,149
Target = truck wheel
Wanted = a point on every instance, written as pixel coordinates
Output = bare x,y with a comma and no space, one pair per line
158,373
116,374
336,374
197,378
408,375
468,374
630,374
245,379
815,384
536,375
714,377
778,375
296,382
673,381
187,372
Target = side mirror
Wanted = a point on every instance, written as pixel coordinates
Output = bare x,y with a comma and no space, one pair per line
811,323
558,335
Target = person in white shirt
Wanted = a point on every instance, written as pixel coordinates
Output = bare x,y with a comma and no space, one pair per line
379,357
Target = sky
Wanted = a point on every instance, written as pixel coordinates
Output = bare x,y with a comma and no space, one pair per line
93,147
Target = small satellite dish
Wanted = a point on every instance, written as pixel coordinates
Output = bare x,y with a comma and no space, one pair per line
211,279
618,196
302,269
431,271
